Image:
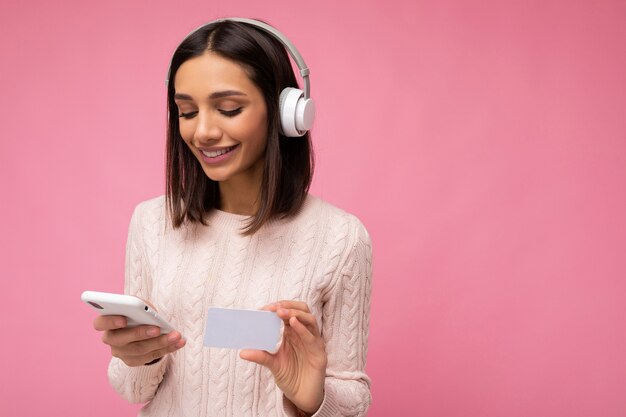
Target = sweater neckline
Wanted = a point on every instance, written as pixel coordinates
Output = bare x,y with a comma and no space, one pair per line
231,221
225,220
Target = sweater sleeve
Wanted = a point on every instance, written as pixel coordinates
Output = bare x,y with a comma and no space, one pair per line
345,328
136,384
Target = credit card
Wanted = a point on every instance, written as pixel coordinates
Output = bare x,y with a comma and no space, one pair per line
243,329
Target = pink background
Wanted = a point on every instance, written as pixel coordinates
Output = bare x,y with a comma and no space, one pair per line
483,144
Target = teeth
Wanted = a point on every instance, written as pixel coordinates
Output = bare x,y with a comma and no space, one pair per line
218,153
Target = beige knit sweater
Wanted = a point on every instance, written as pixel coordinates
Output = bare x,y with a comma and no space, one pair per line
322,256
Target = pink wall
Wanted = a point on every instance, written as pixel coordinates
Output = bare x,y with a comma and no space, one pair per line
483,144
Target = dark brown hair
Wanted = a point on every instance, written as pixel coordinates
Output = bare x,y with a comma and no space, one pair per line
288,167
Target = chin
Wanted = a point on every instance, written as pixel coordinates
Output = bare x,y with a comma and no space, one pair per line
216,177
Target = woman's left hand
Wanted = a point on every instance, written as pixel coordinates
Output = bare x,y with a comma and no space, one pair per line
299,366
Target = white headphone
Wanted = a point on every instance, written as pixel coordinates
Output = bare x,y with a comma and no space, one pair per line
297,109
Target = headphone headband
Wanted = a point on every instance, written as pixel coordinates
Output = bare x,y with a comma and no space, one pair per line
304,70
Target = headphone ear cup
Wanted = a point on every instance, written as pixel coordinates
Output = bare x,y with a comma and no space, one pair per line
296,113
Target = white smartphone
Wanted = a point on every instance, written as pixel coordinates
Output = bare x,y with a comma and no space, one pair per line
243,329
134,309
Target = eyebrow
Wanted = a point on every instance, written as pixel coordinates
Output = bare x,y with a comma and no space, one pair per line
217,94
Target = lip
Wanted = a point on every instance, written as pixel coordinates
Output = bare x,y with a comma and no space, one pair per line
220,158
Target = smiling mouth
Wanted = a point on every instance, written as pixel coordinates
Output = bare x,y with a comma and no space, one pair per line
215,154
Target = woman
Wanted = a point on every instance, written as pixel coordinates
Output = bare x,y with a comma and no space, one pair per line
238,229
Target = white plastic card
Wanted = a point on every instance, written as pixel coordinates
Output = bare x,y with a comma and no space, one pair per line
243,329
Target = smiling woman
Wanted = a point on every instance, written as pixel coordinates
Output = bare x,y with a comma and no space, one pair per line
206,69
237,228
226,130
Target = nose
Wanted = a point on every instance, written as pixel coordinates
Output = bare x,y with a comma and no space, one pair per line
207,128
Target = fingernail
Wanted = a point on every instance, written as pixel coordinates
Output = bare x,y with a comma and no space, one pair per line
283,311
119,322
152,331
180,343
172,337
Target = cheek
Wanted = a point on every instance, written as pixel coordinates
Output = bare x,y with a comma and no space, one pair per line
186,131
252,129
259,138
255,121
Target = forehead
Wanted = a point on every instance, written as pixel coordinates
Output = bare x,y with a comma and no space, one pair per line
210,72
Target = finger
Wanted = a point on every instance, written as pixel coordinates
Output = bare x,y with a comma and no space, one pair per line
153,355
101,323
128,335
258,356
298,305
307,337
143,347
307,319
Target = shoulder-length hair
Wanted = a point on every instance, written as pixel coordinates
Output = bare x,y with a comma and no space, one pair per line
289,162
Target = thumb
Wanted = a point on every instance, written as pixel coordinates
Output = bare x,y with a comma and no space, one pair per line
258,356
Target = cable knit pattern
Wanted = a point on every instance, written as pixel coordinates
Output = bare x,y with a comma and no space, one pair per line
322,256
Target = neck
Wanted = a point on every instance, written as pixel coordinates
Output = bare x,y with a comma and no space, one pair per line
242,194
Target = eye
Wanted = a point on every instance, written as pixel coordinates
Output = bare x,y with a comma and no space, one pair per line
227,113
188,115
231,113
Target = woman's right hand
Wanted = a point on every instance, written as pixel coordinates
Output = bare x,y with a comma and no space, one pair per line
136,346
